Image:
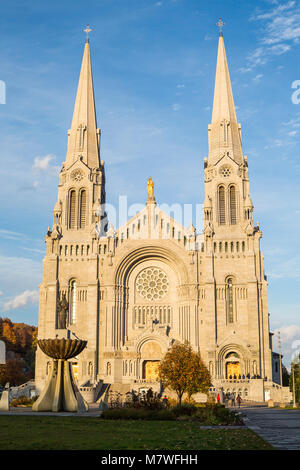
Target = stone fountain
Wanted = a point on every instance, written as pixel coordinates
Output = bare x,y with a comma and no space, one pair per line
61,392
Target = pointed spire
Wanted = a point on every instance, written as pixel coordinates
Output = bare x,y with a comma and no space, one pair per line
224,131
84,137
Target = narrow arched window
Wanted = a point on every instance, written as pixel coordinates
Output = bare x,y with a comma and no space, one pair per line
232,204
82,202
72,209
82,205
73,302
221,198
229,299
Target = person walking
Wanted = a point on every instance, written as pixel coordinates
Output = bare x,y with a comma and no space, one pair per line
226,399
233,399
239,400
218,398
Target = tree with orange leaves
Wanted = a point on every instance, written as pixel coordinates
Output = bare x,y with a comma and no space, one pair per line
183,371
13,372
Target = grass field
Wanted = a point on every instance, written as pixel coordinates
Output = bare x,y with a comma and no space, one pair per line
72,433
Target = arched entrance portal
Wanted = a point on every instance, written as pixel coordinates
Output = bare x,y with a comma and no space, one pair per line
150,371
233,369
151,355
233,365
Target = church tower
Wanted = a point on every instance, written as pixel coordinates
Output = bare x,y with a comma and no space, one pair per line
237,322
69,291
131,292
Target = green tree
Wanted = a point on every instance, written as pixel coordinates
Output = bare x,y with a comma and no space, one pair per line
285,376
183,371
295,367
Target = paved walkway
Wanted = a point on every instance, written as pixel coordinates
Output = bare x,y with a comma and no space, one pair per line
93,412
281,428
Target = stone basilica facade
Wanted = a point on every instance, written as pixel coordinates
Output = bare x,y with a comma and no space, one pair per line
133,291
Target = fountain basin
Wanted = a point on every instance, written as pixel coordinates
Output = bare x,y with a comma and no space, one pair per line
62,348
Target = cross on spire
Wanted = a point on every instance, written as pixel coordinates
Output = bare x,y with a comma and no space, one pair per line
87,30
220,24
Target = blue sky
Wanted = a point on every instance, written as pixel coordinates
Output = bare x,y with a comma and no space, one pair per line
153,66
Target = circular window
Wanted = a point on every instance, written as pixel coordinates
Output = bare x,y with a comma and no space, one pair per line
77,175
152,284
225,171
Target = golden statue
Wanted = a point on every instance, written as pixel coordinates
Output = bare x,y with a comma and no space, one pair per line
150,190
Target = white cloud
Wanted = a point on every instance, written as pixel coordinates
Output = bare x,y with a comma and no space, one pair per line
274,13
279,49
285,269
10,235
283,24
17,274
258,77
257,57
34,250
294,122
43,164
21,300
290,341
176,107
280,31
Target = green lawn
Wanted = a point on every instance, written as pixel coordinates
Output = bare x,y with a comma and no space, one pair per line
69,433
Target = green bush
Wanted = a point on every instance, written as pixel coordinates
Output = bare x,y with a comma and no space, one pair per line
219,415
137,413
206,415
22,401
186,409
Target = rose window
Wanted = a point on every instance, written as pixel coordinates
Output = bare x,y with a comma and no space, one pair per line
77,175
152,284
225,171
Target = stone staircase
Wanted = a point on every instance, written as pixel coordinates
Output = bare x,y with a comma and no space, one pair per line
252,404
90,392
103,395
27,389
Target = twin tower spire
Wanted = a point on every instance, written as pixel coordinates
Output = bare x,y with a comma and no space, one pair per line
84,136
224,131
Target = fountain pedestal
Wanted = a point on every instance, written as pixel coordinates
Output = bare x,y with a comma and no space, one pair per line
61,392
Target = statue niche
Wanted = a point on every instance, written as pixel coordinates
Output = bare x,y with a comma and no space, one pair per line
62,307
